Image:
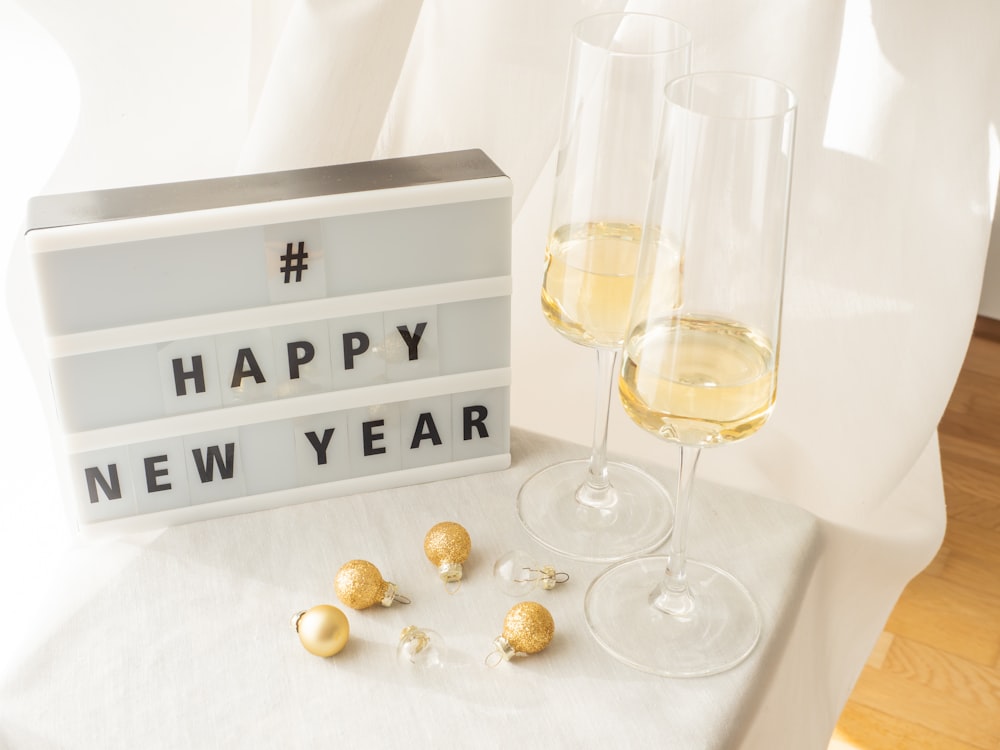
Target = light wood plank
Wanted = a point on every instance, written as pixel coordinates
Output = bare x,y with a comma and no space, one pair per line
878,655
957,450
950,616
975,686
936,711
866,728
974,541
987,328
967,559
971,496
983,357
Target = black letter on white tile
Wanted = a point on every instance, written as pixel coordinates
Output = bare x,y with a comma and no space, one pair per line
206,468
370,436
246,366
299,353
425,430
111,486
320,446
354,344
474,416
412,340
196,373
152,473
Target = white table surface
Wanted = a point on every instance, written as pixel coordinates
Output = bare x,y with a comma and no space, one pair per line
181,638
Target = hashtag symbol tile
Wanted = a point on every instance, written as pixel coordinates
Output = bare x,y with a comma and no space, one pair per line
294,262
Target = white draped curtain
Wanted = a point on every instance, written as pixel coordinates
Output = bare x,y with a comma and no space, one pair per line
894,186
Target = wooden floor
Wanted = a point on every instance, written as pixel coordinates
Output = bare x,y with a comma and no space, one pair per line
933,680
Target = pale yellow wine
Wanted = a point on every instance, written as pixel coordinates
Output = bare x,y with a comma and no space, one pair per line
589,275
699,381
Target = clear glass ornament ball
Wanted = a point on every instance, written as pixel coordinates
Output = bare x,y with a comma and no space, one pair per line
421,648
515,573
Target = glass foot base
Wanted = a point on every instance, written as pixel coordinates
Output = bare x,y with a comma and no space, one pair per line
720,630
638,519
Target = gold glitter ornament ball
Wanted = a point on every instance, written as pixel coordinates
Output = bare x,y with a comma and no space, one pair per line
447,545
359,585
323,630
528,627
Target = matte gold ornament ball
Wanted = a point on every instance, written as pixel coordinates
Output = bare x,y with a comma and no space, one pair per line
360,585
323,630
447,545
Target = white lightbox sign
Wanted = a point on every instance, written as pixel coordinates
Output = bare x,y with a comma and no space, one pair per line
229,345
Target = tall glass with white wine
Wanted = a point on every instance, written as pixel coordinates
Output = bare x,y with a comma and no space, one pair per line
701,354
592,508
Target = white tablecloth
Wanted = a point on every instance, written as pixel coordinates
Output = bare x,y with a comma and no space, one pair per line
182,638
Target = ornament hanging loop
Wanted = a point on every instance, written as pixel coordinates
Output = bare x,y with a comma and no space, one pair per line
502,651
416,635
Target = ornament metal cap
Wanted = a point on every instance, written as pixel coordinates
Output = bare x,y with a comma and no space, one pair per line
502,651
450,572
392,595
549,577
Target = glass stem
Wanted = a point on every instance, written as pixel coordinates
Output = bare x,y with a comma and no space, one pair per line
672,595
596,491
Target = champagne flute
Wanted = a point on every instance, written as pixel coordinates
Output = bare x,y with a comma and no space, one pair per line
593,509
701,354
